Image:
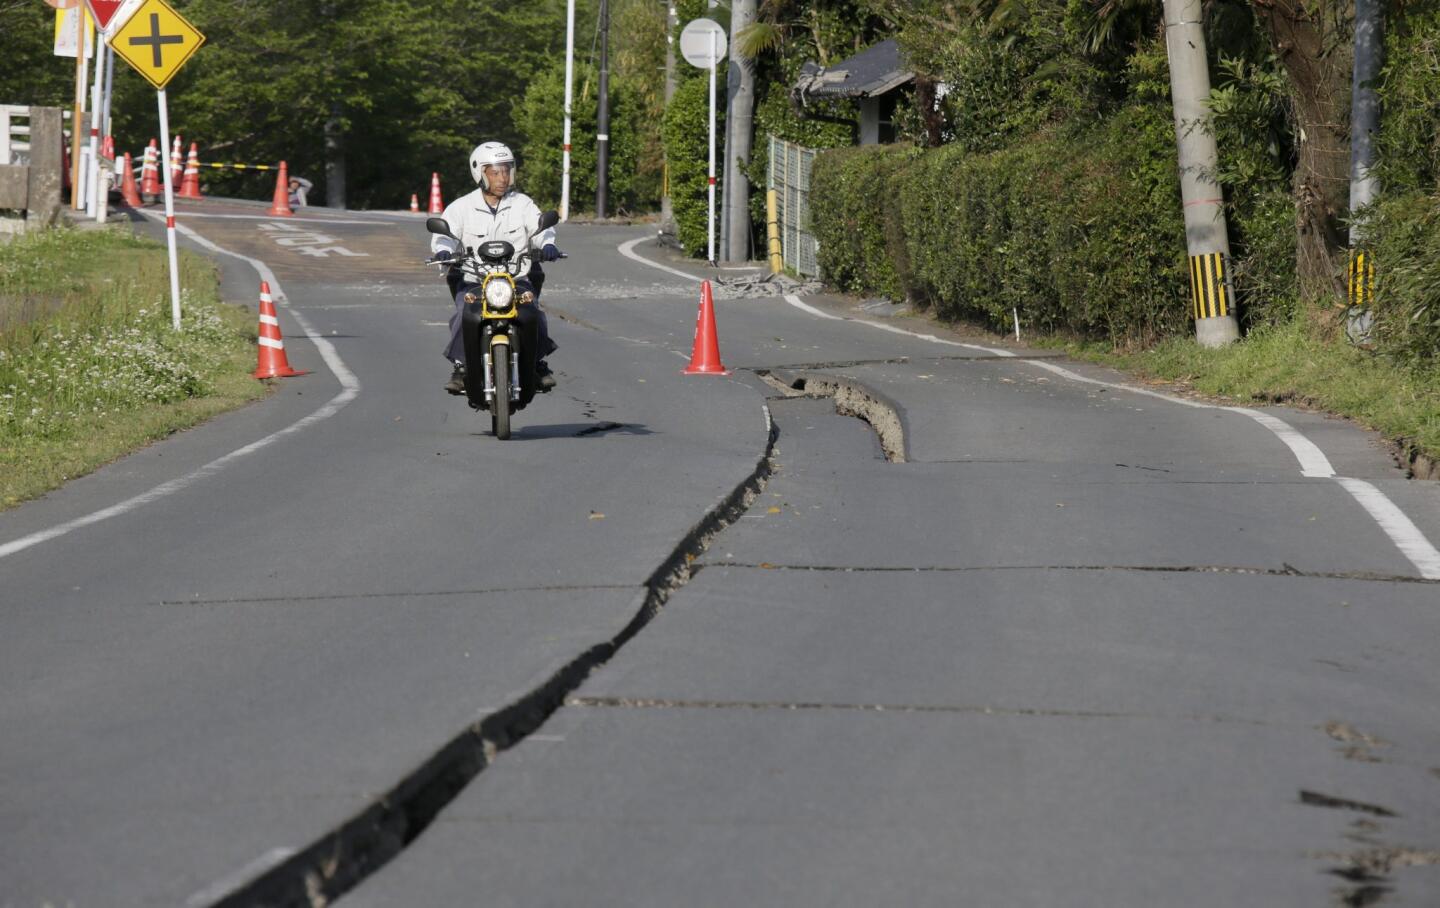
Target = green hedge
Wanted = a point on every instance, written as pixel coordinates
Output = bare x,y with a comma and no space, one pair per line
1406,253
540,118
687,149
860,247
1080,232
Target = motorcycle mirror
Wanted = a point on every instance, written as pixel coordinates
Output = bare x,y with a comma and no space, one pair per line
549,219
440,226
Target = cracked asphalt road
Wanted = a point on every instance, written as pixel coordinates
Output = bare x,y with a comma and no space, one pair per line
1082,647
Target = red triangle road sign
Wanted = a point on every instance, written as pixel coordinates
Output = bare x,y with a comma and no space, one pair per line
103,11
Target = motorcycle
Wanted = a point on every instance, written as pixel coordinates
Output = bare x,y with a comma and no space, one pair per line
499,325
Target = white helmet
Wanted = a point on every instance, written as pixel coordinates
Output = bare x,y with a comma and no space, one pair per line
490,153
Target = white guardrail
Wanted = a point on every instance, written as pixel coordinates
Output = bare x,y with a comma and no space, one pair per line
15,133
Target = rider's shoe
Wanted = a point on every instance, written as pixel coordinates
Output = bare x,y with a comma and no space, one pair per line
544,378
456,384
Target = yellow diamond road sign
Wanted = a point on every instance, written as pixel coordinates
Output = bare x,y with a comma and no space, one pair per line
156,41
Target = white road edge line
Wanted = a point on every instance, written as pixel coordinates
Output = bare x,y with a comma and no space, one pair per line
1407,537
269,217
350,389
1402,531
233,881
627,249
795,301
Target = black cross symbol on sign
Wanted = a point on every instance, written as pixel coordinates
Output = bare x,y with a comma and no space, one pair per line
155,39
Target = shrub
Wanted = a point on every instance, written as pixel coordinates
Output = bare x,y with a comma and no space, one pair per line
1408,147
540,118
1405,243
860,237
687,148
1081,232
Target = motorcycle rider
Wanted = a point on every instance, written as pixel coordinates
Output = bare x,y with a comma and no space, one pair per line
495,211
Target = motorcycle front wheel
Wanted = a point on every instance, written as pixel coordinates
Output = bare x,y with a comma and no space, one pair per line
500,406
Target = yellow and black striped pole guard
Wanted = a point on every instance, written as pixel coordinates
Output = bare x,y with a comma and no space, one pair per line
244,166
1362,278
1210,288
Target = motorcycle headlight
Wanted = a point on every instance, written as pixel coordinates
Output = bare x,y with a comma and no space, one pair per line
499,294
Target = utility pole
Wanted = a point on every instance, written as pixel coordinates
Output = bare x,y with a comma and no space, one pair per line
739,130
1364,124
1206,236
569,97
667,212
602,119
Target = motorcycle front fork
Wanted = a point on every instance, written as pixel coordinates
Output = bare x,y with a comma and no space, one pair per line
514,377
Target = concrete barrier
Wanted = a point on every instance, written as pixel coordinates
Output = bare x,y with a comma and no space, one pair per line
30,171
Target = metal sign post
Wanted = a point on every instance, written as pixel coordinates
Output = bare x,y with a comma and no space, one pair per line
170,214
156,41
97,109
104,14
703,44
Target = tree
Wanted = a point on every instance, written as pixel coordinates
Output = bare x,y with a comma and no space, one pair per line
1312,40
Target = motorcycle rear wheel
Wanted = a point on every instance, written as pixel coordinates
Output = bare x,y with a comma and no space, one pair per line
500,406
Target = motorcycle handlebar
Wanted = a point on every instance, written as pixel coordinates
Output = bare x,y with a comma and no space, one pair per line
460,259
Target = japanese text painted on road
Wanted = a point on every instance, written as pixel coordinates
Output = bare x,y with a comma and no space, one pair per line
156,41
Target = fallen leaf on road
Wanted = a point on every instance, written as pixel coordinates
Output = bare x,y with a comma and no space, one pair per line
596,515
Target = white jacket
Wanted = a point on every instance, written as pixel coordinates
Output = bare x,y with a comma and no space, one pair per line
471,219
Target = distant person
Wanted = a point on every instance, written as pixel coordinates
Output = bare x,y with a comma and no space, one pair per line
298,187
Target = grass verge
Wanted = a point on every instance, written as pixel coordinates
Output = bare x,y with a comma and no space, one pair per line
90,368
1288,364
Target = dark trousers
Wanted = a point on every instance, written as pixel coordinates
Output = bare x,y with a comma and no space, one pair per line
455,349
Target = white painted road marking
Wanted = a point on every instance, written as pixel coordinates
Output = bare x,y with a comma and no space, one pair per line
1403,532
306,242
350,389
795,301
269,217
233,881
628,250
1401,529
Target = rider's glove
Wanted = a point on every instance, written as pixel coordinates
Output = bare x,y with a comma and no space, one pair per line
549,253
443,255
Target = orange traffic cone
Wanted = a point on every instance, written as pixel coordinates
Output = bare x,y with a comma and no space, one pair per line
281,206
150,171
128,192
437,204
273,363
177,168
705,358
415,202
190,186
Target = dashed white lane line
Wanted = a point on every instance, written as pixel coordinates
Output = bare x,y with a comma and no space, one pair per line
350,389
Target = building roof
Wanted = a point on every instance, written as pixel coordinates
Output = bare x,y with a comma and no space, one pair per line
871,72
